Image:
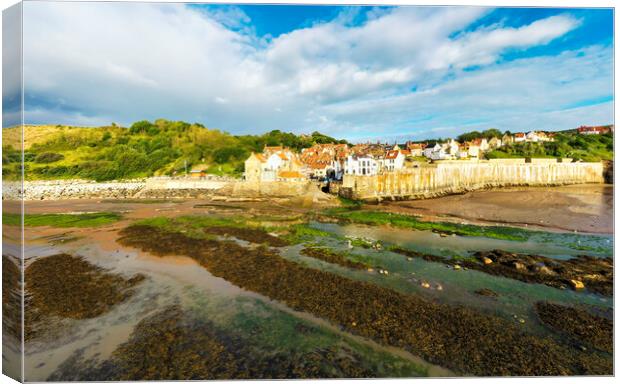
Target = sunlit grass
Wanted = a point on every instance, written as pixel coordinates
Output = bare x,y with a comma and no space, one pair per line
62,220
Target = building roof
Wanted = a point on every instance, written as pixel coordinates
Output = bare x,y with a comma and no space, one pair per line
411,145
260,157
392,154
290,175
593,129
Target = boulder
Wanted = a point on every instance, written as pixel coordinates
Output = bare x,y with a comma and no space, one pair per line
519,266
577,284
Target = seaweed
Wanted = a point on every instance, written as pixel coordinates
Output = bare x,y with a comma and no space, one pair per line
174,345
65,286
578,324
11,297
459,338
596,274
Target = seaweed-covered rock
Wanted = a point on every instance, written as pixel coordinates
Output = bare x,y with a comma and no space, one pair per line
455,337
579,324
64,286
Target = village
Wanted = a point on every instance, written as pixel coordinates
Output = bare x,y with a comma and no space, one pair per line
330,162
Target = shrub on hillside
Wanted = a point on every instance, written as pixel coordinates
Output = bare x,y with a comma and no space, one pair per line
48,157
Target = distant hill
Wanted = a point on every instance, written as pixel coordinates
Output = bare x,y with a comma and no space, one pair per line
144,149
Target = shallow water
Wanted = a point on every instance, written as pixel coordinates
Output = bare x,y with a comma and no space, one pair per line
268,325
456,287
556,245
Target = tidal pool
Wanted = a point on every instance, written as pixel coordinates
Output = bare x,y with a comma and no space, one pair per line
557,245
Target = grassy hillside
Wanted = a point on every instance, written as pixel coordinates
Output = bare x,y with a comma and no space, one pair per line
145,149
566,144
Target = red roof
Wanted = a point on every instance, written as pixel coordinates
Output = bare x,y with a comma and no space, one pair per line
416,145
593,129
391,154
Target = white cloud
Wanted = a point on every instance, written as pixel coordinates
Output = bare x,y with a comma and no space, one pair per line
130,61
541,93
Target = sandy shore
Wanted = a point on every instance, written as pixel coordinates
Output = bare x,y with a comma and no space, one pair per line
581,208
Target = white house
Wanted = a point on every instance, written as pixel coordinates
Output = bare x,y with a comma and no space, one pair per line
532,136
361,165
337,167
436,153
428,150
495,143
451,147
393,160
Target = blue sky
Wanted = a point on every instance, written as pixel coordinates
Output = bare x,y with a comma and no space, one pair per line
352,72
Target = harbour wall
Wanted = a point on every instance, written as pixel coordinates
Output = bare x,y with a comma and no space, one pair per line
154,188
449,177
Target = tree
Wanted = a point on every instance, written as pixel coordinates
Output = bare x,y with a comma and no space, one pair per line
141,126
469,136
491,133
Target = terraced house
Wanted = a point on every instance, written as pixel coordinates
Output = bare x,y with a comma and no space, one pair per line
273,164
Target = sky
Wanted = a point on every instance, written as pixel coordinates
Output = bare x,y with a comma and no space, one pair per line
350,72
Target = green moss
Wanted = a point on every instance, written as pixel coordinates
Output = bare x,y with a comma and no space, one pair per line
62,220
159,222
410,222
192,226
349,203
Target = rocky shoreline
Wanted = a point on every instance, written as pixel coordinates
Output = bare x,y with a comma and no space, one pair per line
579,273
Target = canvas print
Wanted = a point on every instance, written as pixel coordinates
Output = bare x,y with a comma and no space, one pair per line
234,191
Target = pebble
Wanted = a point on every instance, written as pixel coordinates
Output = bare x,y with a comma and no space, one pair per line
425,284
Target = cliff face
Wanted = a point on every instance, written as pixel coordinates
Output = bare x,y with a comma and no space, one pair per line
457,177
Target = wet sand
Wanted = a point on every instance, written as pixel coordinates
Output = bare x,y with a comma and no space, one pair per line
581,208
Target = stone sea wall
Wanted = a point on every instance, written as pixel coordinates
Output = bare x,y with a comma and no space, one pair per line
431,180
428,180
79,189
153,188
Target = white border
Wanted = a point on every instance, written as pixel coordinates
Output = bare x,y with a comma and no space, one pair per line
490,3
